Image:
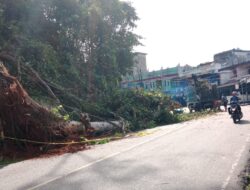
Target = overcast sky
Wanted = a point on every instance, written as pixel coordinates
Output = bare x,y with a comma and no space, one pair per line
191,31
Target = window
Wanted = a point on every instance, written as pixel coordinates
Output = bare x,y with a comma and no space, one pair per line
158,84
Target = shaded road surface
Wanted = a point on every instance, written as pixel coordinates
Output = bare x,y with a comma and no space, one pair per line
205,154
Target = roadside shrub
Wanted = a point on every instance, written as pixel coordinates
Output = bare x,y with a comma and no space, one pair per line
140,108
164,117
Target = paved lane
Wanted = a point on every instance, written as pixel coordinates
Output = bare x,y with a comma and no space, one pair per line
208,153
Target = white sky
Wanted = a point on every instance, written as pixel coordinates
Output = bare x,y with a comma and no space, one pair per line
191,31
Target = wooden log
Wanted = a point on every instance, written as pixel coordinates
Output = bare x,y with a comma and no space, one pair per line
95,129
106,128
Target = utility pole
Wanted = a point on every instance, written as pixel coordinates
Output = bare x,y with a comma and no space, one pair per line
246,87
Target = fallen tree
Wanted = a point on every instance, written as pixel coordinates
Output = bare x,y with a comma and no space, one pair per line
23,118
30,126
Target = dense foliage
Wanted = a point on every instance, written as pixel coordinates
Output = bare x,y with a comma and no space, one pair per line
142,109
83,45
80,49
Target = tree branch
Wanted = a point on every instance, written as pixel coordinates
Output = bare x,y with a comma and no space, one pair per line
8,57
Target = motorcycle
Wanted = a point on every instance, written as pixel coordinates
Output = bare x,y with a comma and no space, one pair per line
234,111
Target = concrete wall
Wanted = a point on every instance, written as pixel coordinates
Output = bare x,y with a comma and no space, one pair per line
224,58
241,57
243,70
140,65
226,76
232,57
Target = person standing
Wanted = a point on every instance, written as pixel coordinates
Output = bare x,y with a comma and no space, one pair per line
224,102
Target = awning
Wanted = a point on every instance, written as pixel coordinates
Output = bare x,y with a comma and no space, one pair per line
228,84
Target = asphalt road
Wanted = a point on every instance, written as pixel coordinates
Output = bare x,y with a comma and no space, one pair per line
204,154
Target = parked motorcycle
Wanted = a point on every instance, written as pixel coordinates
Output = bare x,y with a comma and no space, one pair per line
235,112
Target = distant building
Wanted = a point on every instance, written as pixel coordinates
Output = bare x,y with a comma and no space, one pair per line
139,69
230,70
232,57
235,77
207,71
140,65
235,67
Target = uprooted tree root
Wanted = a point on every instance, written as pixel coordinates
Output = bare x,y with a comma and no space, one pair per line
23,118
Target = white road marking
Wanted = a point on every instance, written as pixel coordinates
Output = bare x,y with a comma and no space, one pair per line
234,165
106,157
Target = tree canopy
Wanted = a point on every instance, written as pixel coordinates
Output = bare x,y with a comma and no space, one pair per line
84,46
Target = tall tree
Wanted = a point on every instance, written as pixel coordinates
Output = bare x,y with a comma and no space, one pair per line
83,45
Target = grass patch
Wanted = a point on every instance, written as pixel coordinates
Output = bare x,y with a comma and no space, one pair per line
102,141
248,187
